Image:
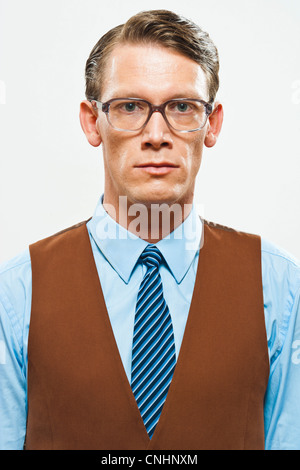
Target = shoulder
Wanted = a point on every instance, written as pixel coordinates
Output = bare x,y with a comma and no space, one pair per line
58,242
239,245
280,269
231,231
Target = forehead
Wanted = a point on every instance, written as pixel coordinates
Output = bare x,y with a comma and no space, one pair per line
152,72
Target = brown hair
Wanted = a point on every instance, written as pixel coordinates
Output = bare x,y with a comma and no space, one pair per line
161,27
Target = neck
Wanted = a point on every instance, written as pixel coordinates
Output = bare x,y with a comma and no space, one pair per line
152,221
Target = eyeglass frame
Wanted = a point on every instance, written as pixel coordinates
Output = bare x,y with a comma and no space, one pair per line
152,109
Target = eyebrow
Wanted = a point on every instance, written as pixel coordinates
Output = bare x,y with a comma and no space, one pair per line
175,96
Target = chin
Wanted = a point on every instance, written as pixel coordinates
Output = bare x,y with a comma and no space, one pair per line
154,197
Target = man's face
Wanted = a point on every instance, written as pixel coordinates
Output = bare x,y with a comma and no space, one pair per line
155,164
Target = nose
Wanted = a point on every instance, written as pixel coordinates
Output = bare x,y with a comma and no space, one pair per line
157,134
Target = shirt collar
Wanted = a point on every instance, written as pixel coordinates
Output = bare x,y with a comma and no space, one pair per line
122,248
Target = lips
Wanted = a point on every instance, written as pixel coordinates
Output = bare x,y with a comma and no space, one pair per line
157,168
157,164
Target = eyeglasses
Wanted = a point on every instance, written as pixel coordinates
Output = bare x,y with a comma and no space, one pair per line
133,114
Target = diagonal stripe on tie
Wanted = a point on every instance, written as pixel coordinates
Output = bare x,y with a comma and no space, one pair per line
153,348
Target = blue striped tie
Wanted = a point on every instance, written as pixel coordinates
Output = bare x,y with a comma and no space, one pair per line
153,349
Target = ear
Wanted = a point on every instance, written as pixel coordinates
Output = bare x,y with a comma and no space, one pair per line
215,121
88,119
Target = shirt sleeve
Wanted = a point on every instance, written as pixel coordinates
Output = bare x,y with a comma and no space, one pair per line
281,281
14,310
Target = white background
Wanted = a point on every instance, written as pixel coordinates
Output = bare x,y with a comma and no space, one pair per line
51,178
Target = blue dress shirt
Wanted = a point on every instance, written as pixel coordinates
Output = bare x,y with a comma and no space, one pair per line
116,252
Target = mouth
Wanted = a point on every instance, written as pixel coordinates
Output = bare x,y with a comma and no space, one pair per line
157,168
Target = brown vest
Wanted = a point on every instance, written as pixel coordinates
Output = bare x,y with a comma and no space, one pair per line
78,393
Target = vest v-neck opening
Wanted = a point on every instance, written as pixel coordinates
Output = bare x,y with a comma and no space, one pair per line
118,360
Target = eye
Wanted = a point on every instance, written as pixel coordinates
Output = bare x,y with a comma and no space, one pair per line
130,106
182,107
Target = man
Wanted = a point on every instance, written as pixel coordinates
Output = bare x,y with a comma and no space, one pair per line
191,338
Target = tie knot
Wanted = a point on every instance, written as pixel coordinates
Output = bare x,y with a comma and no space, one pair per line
151,256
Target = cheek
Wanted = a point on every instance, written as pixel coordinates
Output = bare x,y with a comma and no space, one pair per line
116,157
110,147
193,156
121,164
